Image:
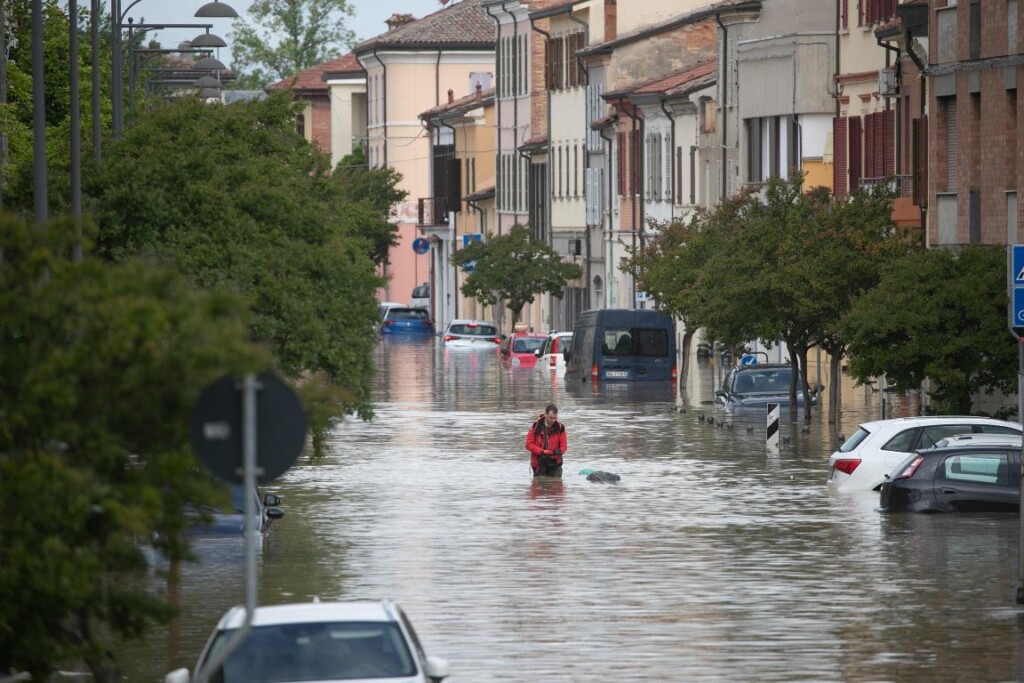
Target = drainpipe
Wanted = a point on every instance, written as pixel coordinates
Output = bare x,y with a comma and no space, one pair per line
611,227
672,148
581,64
835,89
921,71
497,104
437,79
547,200
384,92
725,102
454,227
636,212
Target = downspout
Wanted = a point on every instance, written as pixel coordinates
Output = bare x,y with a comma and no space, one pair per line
921,71
454,228
611,226
725,103
547,123
497,104
384,94
581,64
638,192
899,108
672,139
835,88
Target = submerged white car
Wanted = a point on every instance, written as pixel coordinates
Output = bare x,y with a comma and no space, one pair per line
877,447
551,356
323,642
472,334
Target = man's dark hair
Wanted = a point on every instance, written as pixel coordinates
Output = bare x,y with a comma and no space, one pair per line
552,408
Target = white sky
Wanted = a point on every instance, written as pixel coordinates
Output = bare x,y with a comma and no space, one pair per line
368,20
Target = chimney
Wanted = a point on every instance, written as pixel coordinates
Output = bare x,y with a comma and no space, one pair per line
451,95
396,20
610,23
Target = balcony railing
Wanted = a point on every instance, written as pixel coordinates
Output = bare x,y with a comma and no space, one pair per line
432,211
903,185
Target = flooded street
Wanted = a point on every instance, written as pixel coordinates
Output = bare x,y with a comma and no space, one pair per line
709,561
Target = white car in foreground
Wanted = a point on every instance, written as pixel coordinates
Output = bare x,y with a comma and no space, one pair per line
323,642
872,452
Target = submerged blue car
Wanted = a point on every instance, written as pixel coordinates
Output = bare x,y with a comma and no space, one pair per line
407,321
228,522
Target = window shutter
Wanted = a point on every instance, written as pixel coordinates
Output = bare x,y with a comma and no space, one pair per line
845,5
678,176
636,160
839,158
920,164
889,142
666,168
952,147
869,146
620,163
548,84
855,152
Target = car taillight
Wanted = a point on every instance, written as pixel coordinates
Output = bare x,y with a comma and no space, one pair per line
496,340
674,375
848,465
553,363
448,337
428,323
593,371
387,322
909,470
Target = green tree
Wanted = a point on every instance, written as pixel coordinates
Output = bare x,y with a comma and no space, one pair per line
233,197
513,268
101,365
287,36
937,315
373,192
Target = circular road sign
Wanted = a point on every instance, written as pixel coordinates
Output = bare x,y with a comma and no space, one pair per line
421,245
216,432
748,360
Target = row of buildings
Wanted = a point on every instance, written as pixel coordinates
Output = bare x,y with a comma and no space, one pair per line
592,120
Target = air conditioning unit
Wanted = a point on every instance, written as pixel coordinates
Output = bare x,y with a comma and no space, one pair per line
888,85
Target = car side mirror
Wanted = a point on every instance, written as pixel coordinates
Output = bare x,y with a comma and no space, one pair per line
271,500
275,513
719,392
177,676
437,669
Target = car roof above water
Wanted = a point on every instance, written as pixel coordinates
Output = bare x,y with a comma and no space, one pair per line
310,612
926,420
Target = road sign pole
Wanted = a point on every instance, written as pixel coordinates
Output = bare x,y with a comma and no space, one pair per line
1020,480
771,434
250,386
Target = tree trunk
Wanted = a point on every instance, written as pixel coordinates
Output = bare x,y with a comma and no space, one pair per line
834,398
794,363
684,370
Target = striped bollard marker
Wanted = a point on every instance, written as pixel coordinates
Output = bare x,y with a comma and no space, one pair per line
772,429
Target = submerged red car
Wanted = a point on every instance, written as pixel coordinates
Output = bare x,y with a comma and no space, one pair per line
519,349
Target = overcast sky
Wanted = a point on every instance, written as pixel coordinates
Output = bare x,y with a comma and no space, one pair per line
367,22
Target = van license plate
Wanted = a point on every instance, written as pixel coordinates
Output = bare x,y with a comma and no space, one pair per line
619,374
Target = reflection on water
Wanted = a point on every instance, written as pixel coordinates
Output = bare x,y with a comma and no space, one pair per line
710,560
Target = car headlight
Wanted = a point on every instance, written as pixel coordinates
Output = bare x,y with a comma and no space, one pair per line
516,361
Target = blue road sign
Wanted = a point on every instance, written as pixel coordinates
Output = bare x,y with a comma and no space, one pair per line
1017,316
748,360
1018,266
421,245
477,237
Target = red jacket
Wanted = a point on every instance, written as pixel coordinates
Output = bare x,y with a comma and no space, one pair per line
540,438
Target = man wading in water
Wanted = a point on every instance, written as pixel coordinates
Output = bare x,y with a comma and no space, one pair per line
546,443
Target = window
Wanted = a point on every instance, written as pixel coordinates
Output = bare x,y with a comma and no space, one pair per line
636,341
977,468
873,11
300,123
708,115
935,433
902,442
975,29
948,108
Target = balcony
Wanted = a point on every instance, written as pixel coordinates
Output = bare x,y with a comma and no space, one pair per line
902,185
432,211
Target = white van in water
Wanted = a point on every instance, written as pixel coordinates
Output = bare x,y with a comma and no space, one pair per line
420,296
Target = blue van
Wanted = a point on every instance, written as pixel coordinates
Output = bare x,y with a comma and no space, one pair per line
621,344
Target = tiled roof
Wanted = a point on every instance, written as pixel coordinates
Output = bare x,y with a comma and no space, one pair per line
681,81
673,22
313,77
463,104
552,8
485,192
460,24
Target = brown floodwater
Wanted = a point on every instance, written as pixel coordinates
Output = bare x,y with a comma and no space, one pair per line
711,560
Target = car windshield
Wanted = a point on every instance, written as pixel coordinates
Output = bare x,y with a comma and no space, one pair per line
421,292
474,330
407,314
766,381
527,344
854,440
337,651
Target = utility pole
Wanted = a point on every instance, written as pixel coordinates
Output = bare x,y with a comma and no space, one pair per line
38,116
3,96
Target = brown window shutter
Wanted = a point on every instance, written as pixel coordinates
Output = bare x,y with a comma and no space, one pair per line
920,168
856,169
869,146
839,158
845,9
547,65
620,164
889,142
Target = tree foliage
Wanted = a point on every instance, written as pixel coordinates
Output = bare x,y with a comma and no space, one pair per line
937,315
233,196
373,192
287,36
513,268
101,365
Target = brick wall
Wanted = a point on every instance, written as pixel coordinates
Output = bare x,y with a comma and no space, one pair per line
659,55
538,84
320,123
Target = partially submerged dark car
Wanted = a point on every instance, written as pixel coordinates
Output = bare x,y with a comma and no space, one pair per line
966,473
231,520
754,386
